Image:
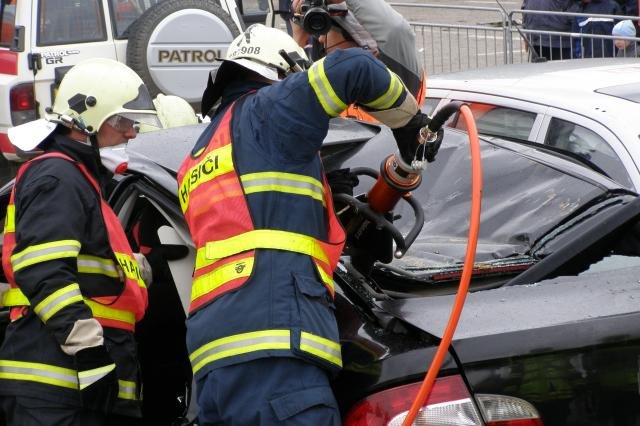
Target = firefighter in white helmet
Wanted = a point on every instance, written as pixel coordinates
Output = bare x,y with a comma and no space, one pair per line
77,290
261,331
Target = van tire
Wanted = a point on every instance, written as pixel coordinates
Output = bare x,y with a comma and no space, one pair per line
141,30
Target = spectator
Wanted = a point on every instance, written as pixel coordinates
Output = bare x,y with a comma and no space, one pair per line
628,7
625,48
548,46
589,47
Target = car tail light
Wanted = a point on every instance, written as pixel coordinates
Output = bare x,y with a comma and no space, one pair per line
502,410
449,404
23,104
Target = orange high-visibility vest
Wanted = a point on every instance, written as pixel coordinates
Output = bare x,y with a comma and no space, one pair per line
215,207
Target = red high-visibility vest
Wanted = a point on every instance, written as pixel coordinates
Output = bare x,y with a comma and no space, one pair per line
118,311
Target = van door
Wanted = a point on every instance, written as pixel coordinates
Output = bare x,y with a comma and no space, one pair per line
66,32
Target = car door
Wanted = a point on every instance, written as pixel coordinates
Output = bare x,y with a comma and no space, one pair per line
154,225
64,33
592,141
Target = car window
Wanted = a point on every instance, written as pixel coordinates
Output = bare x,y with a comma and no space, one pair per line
587,144
430,104
7,21
66,22
496,120
125,12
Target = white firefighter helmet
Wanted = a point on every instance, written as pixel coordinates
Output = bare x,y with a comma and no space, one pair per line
173,111
91,92
257,49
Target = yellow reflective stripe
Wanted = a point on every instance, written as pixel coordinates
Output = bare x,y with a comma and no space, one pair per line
44,252
130,268
391,95
327,279
10,219
104,311
327,97
219,276
239,344
127,390
283,182
89,377
41,373
321,347
14,297
215,163
266,239
58,300
88,264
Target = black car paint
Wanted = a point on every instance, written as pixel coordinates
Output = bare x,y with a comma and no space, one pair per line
389,341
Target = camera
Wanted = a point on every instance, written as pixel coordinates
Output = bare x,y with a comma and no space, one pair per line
315,17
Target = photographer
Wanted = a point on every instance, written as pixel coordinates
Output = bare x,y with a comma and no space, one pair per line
372,25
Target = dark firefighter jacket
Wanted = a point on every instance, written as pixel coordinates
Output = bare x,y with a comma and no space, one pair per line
284,309
55,202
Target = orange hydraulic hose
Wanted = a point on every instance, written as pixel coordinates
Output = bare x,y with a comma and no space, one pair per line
472,241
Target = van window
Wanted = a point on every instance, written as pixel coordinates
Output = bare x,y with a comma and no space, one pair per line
70,21
7,21
125,12
589,145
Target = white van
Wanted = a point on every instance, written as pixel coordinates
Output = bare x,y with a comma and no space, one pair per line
172,44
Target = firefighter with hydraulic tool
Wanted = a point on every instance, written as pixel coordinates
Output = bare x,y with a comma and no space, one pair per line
261,332
77,290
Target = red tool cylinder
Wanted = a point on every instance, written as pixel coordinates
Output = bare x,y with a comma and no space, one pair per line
392,184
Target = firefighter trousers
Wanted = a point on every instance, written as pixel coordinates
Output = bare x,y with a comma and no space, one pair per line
267,391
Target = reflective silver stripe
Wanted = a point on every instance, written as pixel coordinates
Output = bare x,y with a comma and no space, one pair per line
44,252
41,373
127,390
89,377
97,265
327,97
239,344
253,184
58,300
321,347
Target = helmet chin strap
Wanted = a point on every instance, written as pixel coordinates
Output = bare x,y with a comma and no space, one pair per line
326,49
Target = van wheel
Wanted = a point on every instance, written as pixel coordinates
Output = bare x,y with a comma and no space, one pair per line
174,45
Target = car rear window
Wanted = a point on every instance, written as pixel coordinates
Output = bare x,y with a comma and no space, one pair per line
7,21
629,92
125,12
68,22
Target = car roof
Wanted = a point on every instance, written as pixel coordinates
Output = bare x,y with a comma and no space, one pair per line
608,86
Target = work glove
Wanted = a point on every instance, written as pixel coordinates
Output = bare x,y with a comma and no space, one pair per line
408,140
97,379
145,268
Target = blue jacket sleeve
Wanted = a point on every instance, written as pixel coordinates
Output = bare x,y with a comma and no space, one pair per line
294,114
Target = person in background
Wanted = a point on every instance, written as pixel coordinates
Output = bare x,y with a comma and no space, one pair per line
77,289
550,47
376,27
625,48
588,47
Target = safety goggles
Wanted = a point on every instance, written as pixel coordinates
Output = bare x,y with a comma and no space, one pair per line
120,123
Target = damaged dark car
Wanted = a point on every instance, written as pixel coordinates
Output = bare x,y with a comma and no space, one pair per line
549,333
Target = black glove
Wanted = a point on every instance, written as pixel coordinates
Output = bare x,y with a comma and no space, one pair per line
97,378
407,140
342,181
